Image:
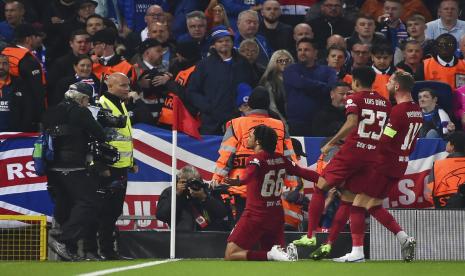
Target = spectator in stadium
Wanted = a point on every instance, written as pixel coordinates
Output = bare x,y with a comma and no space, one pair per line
79,42
85,8
447,23
444,66
330,118
235,7
16,102
301,30
381,55
14,15
250,50
160,32
247,25
335,59
94,23
197,208
180,11
307,87
374,8
339,41
25,65
82,73
445,179
153,14
197,31
365,32
391,26
329,22
212,86
106,61
278,34
436,121
216,15
360,53
272,80
413,53
75,188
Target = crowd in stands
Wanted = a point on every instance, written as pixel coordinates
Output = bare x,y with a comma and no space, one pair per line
301,52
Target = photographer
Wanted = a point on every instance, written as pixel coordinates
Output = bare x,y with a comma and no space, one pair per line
71,185
196,209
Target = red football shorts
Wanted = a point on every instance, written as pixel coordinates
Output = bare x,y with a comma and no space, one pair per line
250,230
341,169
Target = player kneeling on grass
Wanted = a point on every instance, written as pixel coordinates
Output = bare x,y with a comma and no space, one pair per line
262,222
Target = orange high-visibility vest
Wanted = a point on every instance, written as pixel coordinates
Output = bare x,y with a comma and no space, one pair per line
15,55
449,173
380,85
122,67
454,76
234,152
166,114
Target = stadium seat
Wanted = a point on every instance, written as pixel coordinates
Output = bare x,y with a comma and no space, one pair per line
443,91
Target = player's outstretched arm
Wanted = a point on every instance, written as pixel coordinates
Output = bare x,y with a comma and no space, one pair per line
308,174
350,123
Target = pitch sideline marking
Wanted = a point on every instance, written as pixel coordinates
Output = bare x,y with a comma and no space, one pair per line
118,269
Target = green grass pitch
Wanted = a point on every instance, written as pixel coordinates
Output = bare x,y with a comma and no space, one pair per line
222,268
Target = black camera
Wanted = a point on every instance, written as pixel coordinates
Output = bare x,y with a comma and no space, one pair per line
196,184
107,119
104,152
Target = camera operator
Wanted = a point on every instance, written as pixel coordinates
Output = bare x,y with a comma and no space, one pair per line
196,208
71,185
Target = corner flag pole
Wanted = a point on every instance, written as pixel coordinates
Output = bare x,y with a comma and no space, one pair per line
173,194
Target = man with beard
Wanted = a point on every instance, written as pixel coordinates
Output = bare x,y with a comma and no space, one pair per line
278,35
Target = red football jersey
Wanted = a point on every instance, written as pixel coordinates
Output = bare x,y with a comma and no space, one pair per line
399,138
372,111
264,177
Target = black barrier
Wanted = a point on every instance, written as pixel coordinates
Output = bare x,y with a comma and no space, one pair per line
153,244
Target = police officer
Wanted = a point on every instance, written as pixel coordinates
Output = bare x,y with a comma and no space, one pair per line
75,188
118,89
24,64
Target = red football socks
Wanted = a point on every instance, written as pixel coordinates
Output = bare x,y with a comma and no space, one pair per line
339,221
357,225
385,218
315,209
254,255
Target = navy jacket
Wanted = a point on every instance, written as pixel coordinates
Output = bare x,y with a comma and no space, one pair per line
212,89
307,89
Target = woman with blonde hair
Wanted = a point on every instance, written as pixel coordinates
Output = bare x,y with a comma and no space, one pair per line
272,80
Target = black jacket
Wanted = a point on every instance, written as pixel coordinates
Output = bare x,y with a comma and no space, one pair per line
324,27
213,88
212,209
81,128
16,107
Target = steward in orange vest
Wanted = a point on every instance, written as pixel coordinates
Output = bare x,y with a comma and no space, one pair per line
106,61
25,65
444,67
448,174
233,150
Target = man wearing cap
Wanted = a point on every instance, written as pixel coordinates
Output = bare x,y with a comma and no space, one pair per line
446,176
233,150
213,84
106,61
14,15
74,187
24,64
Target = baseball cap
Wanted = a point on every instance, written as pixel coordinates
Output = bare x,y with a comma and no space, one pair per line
106,36
147,44
298,147
82,2
218,32
243,93
83,88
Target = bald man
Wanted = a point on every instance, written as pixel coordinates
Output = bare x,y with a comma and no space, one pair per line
116,175
300,31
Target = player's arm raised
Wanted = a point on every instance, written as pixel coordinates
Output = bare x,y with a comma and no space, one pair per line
350,123
294,169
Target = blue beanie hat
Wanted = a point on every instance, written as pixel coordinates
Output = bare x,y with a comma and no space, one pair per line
243,92
218,32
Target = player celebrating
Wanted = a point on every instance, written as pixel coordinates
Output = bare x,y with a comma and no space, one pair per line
396,144
367,113
263,218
